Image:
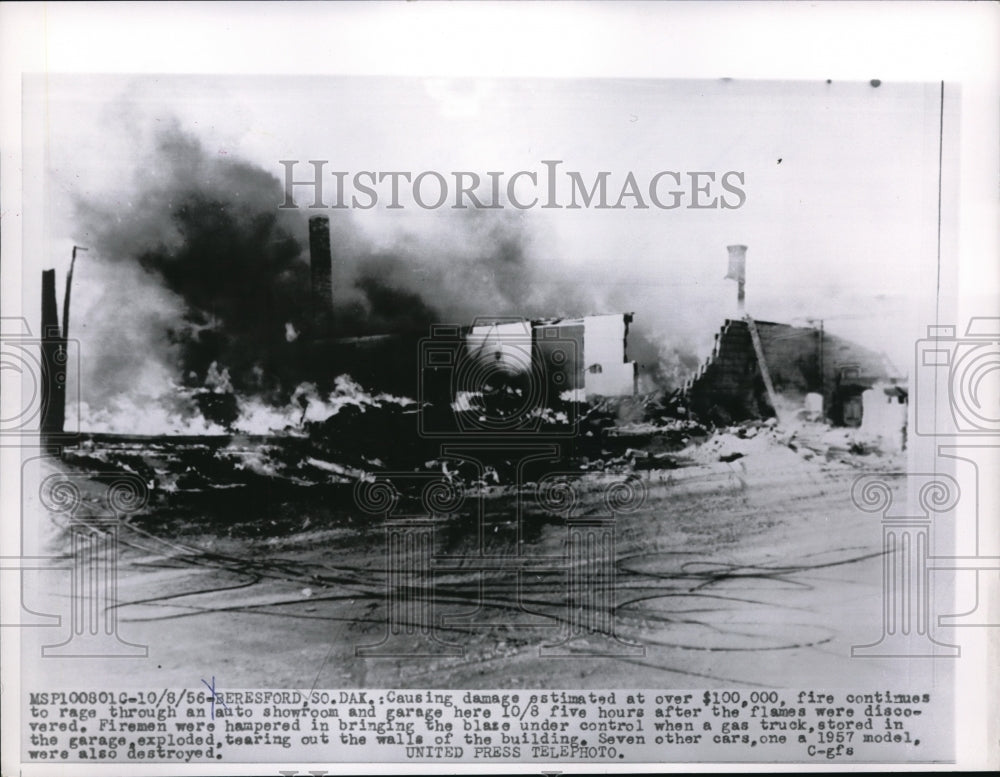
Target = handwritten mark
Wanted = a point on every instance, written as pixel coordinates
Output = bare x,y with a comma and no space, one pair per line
215,696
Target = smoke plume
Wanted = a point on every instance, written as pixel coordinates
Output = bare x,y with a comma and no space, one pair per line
200,272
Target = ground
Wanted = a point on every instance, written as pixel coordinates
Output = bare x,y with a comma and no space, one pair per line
744,565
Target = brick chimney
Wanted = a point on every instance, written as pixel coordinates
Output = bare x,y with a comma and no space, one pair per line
321,271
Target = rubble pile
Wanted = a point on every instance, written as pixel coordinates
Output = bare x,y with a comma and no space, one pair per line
361,441
822,441
734,442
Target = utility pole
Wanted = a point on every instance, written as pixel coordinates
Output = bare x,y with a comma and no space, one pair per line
69,284
822,372
54,354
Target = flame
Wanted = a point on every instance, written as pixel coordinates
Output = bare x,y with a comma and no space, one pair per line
176,414
144,415
308,406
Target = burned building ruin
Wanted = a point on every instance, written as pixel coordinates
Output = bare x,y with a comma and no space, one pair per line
553,360
53,346
521,365
742,379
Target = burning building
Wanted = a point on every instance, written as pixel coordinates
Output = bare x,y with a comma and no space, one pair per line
544,361
797,361
278,329
601,367
755,365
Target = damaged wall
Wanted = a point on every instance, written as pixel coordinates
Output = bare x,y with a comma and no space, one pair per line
53,347
548,357
801,360
500,347
607,371
553,359
884,414
598,364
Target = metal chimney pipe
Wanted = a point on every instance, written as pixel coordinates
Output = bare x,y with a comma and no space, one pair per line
738,271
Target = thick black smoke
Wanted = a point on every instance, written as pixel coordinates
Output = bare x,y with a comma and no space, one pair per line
207,235
202,272
225,275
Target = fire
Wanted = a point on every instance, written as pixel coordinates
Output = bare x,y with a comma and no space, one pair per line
177,413
307,405
144,416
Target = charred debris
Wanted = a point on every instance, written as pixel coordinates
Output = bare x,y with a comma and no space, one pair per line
509,381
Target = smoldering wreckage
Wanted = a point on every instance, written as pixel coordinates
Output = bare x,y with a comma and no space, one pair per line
567,381
461,468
